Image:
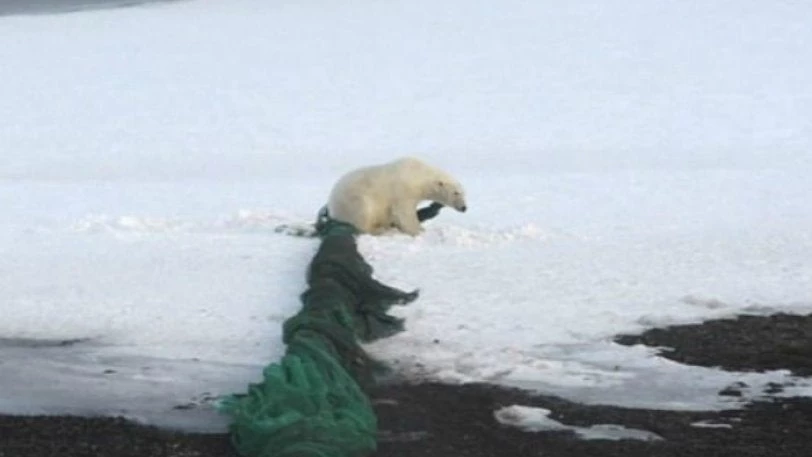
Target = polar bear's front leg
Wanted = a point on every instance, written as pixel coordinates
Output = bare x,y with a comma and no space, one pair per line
404,217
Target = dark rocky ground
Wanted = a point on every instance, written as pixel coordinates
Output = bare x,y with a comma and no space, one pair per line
430,420
747,343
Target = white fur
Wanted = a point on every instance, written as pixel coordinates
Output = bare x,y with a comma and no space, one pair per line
377,198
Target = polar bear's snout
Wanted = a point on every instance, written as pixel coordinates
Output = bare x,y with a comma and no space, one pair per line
458,201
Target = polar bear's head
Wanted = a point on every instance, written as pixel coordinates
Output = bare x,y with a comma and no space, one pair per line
448,192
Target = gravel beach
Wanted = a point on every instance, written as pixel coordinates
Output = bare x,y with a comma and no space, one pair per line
430,420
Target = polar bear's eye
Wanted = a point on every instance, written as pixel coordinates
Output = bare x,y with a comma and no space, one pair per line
440,183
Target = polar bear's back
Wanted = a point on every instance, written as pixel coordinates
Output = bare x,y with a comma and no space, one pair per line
381,180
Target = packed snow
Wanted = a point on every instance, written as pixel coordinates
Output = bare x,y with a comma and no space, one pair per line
627,167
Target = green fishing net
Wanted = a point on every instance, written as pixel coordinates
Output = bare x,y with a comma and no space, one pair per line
312,402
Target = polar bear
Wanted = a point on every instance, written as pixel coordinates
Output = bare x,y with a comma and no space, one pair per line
376,198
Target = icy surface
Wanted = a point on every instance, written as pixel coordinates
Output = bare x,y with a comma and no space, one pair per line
533,419
708,424
626,168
